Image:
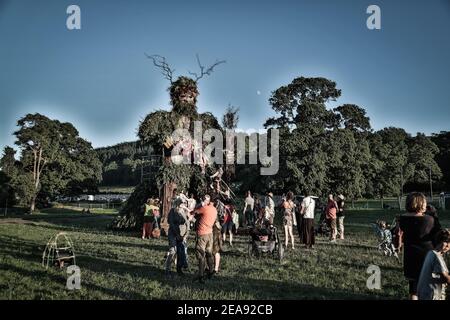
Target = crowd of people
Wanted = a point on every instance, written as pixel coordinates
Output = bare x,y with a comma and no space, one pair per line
217,220
214,220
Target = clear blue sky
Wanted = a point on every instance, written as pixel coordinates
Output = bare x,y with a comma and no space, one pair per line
99,79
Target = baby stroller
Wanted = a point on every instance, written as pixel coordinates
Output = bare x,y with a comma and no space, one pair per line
264,238
384,235
323,228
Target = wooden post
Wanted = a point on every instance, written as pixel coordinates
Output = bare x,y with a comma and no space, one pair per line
168,189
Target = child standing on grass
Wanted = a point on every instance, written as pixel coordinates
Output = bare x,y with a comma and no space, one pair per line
434,276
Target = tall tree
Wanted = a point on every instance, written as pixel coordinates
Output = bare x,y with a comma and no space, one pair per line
346,159
8,162
442,140
36,138
421,157
396,170
52,156
303,122
353,118
7,192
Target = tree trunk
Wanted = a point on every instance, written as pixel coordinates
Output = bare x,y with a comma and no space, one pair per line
38,166
33,204
168,189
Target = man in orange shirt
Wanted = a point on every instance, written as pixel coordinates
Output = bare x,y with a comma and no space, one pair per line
206,216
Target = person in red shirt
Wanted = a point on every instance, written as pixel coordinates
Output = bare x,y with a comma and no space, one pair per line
331,215
206,218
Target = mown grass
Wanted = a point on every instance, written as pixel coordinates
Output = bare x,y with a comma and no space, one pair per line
123,266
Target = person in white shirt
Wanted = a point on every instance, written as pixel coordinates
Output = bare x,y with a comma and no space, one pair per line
434,276
249,204
307,211
191,202
270,208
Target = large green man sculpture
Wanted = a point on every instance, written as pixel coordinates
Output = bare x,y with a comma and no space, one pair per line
157,130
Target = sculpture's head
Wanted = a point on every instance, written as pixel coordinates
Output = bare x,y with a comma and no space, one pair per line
183,96
183,91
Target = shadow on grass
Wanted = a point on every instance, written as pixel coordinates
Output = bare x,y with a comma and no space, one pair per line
89,223
221,285
257,288
45,276
144,245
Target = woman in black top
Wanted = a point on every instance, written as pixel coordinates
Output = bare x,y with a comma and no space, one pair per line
418,232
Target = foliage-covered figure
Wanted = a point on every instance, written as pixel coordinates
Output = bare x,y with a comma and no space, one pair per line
157,130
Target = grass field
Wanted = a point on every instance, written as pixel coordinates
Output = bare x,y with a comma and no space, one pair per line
123,266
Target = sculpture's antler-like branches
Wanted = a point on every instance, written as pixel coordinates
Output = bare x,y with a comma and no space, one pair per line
160,62
203,72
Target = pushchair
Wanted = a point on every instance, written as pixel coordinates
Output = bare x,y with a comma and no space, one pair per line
264,239
323,229
385,241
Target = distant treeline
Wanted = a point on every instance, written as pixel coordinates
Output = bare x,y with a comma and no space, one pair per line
442,140
122,163
122,166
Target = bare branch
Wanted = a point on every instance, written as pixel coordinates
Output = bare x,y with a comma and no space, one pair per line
208,71
160,62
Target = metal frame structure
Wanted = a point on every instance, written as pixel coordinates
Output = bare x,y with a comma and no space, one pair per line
59,249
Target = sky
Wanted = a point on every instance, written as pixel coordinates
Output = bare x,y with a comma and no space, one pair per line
99,79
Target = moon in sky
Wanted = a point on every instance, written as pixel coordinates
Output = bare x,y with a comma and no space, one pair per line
258,92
